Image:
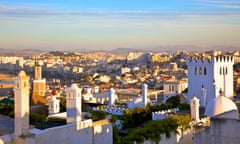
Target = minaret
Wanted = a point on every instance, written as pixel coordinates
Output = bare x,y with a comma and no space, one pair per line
21,103
195,108
111,96
73,104
53,103
144,94
38,71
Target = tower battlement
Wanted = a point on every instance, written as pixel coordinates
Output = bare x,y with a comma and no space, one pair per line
210,59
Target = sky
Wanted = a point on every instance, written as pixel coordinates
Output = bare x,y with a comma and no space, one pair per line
109,24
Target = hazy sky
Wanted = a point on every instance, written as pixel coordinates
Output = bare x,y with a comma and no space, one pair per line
108,24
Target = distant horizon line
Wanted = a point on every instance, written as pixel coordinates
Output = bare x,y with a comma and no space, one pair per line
145,48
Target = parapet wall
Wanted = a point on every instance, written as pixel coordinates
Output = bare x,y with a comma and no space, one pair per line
163,114
115,110
66,134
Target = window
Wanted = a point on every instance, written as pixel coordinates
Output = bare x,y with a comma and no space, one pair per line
205,71
200,71
220,71
196,71
226,70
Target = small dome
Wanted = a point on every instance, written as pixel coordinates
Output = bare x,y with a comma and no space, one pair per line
220,105
137,102
54,92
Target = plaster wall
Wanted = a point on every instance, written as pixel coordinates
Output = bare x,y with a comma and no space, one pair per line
221,131
68,134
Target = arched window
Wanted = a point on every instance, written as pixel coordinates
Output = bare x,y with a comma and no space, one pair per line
226,71
220,71
196,71
205,71
200,71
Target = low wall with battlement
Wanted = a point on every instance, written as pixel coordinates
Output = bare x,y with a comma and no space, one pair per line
115,111
163,114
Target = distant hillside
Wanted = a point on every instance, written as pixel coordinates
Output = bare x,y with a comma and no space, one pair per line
125,50
23,52
173,48
3,50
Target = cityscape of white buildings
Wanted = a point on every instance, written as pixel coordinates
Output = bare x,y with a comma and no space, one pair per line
203,80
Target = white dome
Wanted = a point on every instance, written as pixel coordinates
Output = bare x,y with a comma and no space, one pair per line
220,105
137,102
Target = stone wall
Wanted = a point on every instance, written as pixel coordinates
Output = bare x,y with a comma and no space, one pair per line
221,131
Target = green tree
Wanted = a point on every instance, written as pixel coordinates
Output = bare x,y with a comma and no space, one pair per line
98,115
7,109
36,118
174,101
183,122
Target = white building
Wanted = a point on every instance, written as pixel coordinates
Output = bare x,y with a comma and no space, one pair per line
21,104
174,86
140,101
74,104
53,104
224,123
74,132
206,76
195,108
173,67
125,70
11,62
111,97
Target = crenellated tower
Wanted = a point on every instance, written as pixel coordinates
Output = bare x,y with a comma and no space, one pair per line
206,75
